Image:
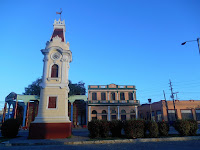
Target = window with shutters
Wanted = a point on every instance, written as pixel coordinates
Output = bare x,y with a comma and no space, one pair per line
112,96
54,71
52,102
130,95
103,96
94,96
122,96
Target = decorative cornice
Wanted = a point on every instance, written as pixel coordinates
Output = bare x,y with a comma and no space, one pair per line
57,39
59,85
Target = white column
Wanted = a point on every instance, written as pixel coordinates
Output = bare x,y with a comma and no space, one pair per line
45,60
108,113
24,114
89,119
9,111
108,96
117,96
136,112
118,117
71,113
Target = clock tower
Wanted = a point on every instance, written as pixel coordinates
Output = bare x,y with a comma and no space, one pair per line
52,120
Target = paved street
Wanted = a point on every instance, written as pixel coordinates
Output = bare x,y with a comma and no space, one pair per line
185,145
82,135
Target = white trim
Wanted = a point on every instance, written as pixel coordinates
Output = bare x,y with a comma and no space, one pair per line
136,112
118,113
108,113
48,102
171,111
52,117
186,111
89,113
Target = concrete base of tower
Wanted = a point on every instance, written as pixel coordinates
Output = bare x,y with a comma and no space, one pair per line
49,130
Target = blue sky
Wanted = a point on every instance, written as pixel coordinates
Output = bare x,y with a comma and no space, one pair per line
112,41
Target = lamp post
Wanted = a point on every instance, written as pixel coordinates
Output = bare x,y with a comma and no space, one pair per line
193,41
149,100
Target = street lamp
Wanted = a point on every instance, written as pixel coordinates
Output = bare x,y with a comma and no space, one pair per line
193,41
149,100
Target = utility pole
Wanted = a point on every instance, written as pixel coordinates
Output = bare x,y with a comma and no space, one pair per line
149,100
172,96
166,106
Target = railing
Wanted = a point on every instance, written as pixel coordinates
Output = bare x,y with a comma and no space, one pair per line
114,101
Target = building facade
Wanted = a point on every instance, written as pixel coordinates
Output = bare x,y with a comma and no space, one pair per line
112,102
164,110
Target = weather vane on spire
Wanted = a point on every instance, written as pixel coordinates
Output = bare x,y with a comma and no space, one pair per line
59,13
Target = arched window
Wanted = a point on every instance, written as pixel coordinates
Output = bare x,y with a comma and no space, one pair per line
112,96
123,111
94,115
132,111
94,96
104,112
94,112
103,96
122,96
113,112
54,71
113,115
104,115
130,95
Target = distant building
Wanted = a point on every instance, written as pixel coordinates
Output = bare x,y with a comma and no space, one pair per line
112,102
185,109
21,107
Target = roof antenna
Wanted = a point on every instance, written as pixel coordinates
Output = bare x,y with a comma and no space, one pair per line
59,13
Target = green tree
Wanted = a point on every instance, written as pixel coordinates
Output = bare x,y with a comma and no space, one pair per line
75,89
34,88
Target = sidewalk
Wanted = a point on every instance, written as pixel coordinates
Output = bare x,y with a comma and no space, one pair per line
80,136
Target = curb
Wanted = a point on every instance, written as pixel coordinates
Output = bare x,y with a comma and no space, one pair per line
7,143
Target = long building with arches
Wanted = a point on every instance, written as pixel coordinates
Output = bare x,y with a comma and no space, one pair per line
112,102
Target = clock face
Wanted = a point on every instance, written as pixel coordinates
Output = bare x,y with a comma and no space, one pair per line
55,56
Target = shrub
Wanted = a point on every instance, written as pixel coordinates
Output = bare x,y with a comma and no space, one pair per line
94,128
163,128
152,127
104,128
183,127
193,127
115,128
10,128
134,128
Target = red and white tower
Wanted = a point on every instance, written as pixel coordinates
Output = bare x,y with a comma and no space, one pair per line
52,120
